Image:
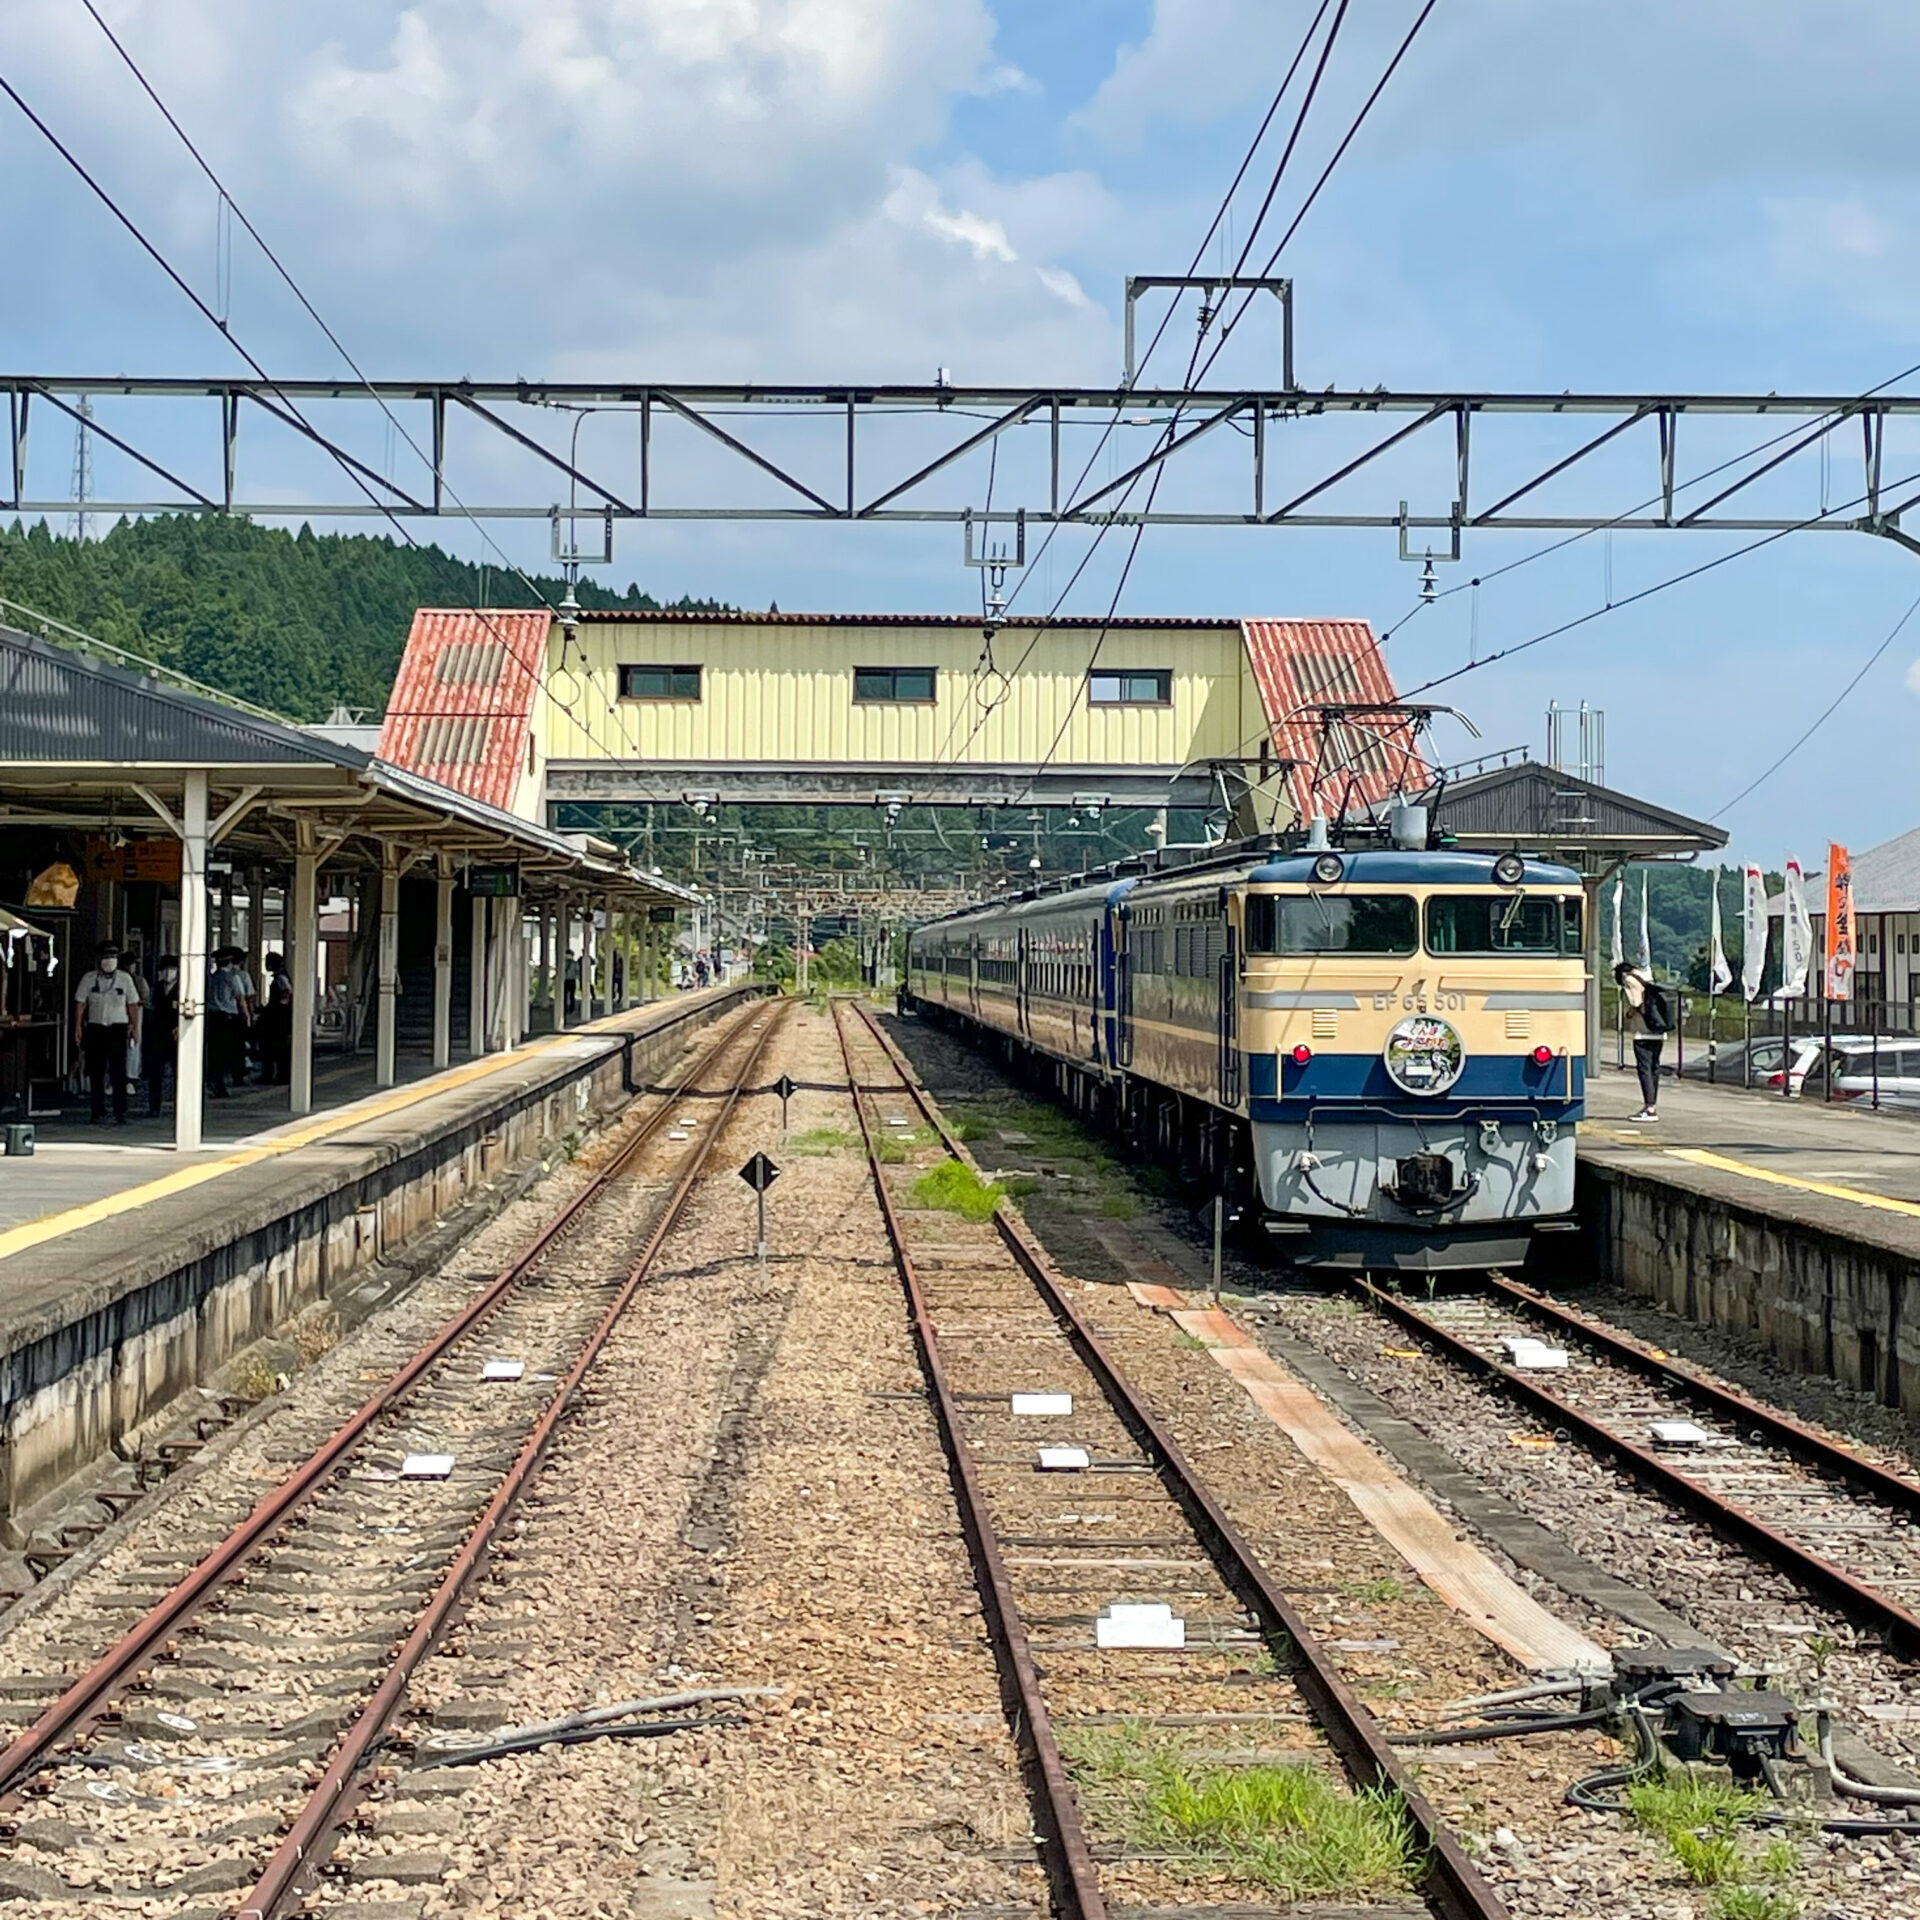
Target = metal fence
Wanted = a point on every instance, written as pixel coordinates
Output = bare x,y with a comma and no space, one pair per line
1724,1040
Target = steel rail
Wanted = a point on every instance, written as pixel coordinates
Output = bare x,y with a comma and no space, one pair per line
83,1702
1070,1866
1797,1437
310,1838
1453,1885
1854,1597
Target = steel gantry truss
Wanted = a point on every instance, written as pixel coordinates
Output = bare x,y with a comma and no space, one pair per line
888,454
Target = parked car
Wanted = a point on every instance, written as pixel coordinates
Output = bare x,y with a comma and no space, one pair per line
1892,1068
1729,1063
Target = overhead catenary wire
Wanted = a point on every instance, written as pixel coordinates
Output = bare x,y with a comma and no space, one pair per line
1159,333
1826,714
534,667
1196,370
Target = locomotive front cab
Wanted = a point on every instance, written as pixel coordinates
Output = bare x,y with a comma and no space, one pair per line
1414,1026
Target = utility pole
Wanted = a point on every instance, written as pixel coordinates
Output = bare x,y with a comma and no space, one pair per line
82,466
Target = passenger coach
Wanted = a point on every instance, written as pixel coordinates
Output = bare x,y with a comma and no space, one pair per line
1380,1050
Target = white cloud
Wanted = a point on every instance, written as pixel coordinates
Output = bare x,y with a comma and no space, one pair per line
1913,678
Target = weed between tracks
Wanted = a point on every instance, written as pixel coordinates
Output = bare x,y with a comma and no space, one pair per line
1700,1818
954,1187
816,1142
1289,1828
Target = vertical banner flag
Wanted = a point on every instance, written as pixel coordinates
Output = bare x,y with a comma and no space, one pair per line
1840,954
1753,927
1619,908
1719,974
1646,931
1796,935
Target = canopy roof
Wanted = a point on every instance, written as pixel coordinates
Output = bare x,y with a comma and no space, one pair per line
87,744
1540,809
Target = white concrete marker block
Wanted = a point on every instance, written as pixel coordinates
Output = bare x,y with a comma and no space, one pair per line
503,1370
1043,1403
1129,1623
426,1466
676,1134
1534,1356
1678,1433
1064,1460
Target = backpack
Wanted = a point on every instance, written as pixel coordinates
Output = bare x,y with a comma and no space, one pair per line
1656,1010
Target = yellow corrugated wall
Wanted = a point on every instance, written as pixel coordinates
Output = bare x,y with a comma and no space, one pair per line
778,692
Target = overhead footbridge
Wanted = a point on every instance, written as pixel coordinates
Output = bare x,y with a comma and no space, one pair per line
882,709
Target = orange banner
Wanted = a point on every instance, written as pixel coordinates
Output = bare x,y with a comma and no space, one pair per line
1840,941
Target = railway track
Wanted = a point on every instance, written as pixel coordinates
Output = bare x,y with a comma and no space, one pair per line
1134,1525
217,1745
1843,1526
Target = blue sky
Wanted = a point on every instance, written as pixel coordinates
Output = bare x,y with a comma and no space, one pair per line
1554,194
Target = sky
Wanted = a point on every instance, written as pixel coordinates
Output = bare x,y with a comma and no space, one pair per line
1552,195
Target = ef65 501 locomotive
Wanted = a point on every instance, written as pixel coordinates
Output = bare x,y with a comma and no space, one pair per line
1382,1050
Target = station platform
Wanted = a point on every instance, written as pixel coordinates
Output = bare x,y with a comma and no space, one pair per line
1789,1221
129,1274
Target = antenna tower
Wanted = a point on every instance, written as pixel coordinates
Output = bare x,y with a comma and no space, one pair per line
82,468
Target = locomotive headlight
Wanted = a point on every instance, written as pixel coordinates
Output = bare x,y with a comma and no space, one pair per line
1509,869
1329,869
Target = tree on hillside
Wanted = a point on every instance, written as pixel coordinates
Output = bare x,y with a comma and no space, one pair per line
295,622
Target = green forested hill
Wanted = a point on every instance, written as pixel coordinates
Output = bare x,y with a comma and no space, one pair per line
297,622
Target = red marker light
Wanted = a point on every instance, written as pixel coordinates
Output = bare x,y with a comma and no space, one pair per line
1542,1055
1302,1054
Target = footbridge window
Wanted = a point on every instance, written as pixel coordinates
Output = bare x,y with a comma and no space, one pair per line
893,683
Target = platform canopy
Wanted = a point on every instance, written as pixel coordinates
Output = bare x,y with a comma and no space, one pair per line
1533,808
89,745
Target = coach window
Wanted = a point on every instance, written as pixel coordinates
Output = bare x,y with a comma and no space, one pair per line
1134,687
1380,924
893,683
1486,924
659,683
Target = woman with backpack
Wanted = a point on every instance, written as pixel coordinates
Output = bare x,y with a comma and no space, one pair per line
1650,1013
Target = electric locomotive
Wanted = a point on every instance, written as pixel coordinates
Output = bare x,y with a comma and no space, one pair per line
1379,1051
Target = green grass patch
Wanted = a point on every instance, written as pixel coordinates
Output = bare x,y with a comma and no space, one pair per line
889,1151
1291,1829
1120,1206
1020,1185
1376,1592
1702,1819
954,1187
1685,1802
970,1130
816,1141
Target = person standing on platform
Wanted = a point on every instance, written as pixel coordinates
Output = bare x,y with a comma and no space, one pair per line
106,1015
226,1023
275,1027
1650,1015
160,1034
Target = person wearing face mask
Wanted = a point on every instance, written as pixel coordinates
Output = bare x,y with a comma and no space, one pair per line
160,1036
106,1015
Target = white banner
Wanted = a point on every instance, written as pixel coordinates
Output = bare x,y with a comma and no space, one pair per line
1753,927
1619,906
1646,929
1796,935
1719,974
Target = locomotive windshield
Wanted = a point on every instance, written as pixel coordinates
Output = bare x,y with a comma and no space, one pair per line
1479,923
1386,924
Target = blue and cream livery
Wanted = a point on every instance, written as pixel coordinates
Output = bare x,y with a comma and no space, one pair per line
1385,1047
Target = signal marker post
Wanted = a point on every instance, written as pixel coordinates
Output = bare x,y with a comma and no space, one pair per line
760,1173
785,1088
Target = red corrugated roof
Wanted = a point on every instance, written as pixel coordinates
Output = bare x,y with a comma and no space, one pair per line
462,702
1311,663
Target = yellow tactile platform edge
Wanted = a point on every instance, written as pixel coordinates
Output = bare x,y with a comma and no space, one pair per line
284,1140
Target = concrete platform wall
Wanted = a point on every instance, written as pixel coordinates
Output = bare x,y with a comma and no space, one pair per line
75,1383
1822,1301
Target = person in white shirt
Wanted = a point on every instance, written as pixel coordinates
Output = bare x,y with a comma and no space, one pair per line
106,1015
